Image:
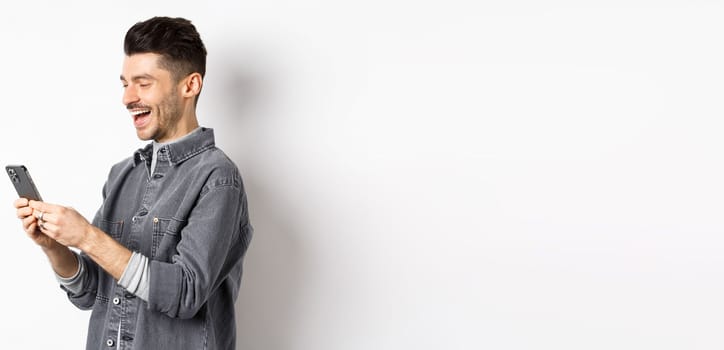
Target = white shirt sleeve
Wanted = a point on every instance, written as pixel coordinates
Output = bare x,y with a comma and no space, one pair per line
74,283
135,278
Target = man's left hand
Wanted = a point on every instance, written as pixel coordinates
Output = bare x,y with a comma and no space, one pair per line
64,224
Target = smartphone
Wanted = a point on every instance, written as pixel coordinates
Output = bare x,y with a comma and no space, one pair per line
20,177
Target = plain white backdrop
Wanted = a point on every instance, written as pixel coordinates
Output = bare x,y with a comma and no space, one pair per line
421,174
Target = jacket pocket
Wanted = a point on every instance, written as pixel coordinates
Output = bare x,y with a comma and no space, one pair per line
166,235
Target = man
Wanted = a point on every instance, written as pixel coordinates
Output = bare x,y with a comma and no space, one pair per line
161,263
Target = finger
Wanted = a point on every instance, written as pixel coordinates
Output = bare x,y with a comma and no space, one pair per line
24,212
41,206
20,202
49,229
28,221
46,207
47,217
40,215
32,230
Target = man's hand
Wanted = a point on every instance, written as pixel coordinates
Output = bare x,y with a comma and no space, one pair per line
55,228
62,224
62,260
30,224
66,226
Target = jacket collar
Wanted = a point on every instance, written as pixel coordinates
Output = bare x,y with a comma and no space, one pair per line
177,152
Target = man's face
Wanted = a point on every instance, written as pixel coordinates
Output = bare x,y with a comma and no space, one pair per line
152,97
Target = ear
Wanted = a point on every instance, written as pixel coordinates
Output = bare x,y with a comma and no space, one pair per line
191,85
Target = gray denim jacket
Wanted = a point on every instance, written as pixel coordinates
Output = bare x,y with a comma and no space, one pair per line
191,220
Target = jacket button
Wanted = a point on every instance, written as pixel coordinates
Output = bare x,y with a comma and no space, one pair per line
116,300
110,342
155,220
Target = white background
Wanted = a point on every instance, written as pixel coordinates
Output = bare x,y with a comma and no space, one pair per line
421,174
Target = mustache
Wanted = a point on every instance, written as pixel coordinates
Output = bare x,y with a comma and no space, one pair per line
131,106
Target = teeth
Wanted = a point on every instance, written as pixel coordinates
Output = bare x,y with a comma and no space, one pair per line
141,111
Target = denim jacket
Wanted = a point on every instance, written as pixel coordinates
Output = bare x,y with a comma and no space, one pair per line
190,219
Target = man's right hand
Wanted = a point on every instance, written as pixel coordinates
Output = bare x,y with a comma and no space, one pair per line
30,225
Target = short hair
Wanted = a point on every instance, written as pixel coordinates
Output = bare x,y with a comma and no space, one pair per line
175,39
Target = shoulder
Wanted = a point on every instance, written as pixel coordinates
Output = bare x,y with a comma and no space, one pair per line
116,174
217,169
121,168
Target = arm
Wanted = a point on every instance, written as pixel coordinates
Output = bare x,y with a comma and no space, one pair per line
110,255
67,228
211,244
62,259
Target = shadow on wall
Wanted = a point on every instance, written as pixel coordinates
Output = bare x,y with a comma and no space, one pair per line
266,308
274,265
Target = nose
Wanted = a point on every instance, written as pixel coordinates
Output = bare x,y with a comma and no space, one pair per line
129,95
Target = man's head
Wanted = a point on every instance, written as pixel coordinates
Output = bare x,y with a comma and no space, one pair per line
175,39
162,77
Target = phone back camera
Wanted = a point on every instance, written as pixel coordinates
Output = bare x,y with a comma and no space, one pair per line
13,175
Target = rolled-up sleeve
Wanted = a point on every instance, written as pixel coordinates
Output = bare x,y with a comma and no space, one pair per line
212,242
85,298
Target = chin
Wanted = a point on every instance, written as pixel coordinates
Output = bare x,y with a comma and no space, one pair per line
143,137
146,134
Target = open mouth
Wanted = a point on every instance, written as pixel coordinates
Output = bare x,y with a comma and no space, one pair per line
140,116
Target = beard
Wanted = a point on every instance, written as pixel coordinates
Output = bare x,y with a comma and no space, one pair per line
169,114
164,117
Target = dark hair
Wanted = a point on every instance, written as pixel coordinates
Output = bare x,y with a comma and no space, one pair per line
175,39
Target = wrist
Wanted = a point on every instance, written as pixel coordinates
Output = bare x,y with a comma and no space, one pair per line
90,239
53,248
62,259
105,251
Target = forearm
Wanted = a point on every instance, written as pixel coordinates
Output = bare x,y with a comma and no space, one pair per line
62,260
110,255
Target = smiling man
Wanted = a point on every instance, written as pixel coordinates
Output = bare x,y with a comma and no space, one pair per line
161,263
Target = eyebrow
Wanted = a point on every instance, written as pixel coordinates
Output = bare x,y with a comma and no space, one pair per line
138,77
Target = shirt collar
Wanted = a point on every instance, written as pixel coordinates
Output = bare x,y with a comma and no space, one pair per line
178,151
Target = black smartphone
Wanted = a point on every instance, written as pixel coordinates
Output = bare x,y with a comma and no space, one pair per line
20,177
